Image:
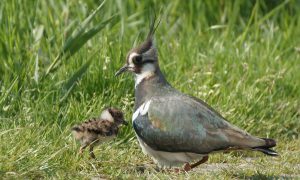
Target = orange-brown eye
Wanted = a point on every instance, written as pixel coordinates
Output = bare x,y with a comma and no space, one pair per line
137,59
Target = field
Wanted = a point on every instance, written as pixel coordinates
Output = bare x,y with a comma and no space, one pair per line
57,69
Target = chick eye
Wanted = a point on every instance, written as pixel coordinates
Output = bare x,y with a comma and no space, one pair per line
137,59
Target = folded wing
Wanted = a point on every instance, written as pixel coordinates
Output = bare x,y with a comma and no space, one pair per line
184,124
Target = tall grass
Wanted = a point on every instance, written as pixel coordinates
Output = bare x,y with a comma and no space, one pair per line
239,56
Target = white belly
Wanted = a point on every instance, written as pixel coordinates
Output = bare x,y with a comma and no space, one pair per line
169,159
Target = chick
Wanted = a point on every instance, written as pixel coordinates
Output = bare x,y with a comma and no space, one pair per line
98,130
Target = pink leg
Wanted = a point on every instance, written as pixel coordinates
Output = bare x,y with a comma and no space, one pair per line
187,166
203,160
82,149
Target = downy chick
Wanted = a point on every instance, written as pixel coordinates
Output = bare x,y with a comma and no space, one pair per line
98,130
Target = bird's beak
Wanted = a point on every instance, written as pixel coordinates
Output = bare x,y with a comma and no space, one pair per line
125,122
123,69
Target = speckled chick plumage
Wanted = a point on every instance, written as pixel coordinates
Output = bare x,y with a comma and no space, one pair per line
95,131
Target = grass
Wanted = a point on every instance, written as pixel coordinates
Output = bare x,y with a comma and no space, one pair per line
242,57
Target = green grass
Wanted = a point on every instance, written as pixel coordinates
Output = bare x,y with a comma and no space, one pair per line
241,57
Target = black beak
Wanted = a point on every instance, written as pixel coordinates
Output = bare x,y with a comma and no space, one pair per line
125,122
123,69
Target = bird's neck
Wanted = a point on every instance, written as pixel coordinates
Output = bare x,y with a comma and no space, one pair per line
148,85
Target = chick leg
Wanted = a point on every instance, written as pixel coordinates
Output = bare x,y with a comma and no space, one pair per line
92,152
82,149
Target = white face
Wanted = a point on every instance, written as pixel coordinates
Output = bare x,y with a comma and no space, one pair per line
142,65
141,72
143,68
130,62
107,116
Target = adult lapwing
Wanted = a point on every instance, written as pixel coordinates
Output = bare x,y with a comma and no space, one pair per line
174,128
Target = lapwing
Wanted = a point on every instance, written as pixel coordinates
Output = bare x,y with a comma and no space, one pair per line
98,130
174,128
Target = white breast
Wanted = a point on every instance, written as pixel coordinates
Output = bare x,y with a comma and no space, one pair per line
142,110
146,72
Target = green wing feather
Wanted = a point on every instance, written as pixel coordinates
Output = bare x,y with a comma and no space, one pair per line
179,123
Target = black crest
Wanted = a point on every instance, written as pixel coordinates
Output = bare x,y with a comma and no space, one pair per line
154,23
146,45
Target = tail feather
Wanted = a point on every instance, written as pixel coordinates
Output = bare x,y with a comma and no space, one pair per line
266,148
267,151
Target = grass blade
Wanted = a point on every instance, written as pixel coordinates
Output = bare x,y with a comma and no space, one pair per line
83,38
77,33
9,90
70,84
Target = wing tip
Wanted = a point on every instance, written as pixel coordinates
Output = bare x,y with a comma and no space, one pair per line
267,151
269,143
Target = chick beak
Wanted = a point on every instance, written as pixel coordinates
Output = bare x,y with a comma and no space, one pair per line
123,69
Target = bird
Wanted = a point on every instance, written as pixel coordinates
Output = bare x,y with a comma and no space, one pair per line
95,131
177,129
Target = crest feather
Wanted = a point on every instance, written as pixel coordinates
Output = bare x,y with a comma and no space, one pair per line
153,26
148,45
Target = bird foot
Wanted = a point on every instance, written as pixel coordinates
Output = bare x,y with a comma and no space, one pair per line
81,149
186,167
80,152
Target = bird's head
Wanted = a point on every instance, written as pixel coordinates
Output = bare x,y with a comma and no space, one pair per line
142,60
114,115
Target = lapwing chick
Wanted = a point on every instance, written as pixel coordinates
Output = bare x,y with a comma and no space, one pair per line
176,129
98,130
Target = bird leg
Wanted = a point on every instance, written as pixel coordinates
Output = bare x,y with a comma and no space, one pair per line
203,160
82,149
187,166
92,152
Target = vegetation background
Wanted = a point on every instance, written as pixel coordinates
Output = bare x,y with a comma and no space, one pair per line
57,68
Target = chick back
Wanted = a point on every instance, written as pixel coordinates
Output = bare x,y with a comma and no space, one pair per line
94,129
